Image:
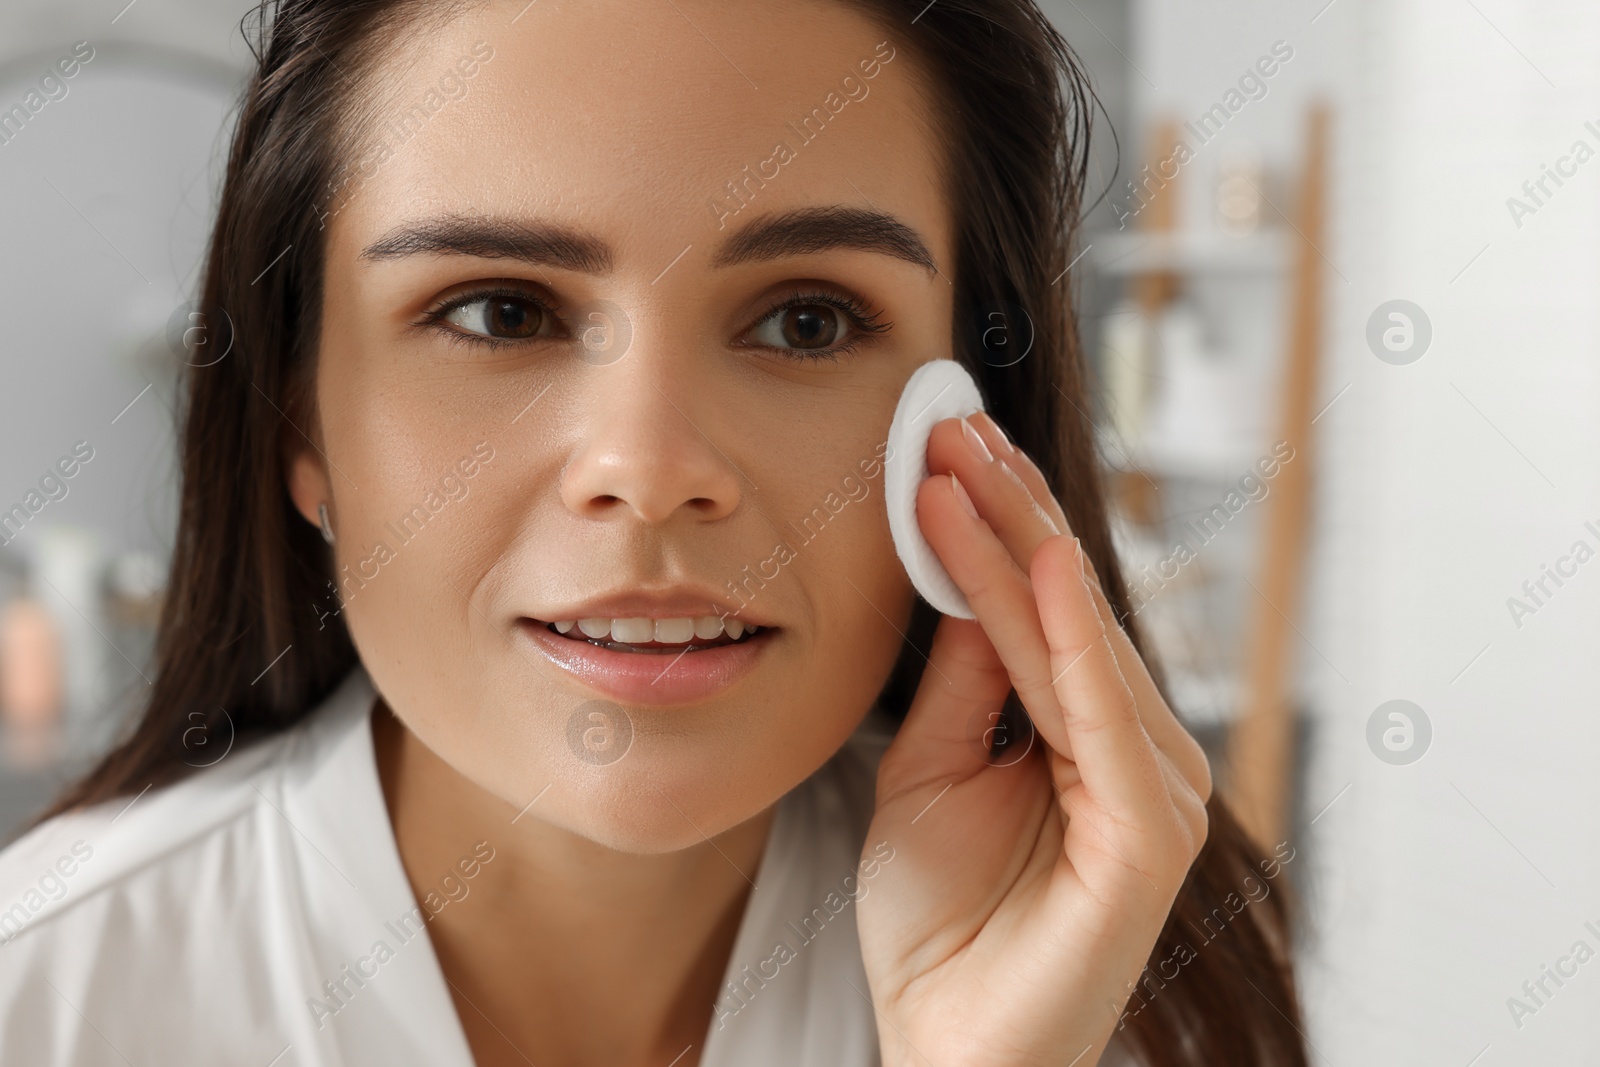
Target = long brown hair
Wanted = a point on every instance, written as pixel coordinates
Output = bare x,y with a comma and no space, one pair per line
243,649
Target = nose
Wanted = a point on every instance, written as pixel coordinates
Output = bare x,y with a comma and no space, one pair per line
654,444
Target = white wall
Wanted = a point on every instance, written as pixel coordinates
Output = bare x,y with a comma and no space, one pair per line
105,198
1435,889
204,28
1451,881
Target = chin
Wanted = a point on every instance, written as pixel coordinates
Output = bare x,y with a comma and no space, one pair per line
676,785
632,816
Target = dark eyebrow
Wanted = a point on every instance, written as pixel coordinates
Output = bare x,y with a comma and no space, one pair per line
818,229
806,230
540,243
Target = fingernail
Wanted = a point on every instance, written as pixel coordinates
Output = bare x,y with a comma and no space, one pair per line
1091,577
975,443
998,432
1083,563
961,495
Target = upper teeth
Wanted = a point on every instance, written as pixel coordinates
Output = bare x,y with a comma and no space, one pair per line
666,631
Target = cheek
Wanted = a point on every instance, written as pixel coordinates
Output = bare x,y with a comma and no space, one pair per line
404,585
868,602
845,567
414,539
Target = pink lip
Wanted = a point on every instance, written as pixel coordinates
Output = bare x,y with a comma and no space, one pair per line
662,678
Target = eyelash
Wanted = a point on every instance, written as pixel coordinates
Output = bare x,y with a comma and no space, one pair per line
435,319
861,316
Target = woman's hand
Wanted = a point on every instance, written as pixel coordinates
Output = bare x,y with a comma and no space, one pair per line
1024,895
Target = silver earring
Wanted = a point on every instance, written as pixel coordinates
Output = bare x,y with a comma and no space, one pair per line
322,516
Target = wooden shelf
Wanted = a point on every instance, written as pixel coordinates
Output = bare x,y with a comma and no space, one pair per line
1161,461
1266,253
1253,701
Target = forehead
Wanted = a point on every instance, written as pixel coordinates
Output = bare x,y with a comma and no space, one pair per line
660,126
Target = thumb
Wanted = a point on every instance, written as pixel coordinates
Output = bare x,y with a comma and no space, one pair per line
945,733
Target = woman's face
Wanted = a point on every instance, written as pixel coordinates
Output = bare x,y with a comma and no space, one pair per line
558,381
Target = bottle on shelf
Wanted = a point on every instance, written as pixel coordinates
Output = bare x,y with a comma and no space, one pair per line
31,680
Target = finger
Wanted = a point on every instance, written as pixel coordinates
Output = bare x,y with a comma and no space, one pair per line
1011,494
1018,503
1163,726
965,678
1005,503
1000,596
1160,845
1186,807
1186,803
1032,477
1116,757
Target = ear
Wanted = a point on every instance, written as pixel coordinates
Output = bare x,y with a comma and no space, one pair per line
308,484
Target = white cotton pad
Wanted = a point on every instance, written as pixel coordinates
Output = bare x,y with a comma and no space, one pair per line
938,390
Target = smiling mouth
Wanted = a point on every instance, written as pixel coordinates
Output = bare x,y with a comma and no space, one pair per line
661,636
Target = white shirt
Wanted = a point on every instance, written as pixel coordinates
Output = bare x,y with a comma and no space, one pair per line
257,913
199,923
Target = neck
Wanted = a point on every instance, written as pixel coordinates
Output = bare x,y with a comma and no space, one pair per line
559,949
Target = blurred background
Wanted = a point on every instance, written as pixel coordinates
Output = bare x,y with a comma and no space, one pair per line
1336,284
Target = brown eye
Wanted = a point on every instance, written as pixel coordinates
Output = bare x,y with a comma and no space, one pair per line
812,324
511,318
801,326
